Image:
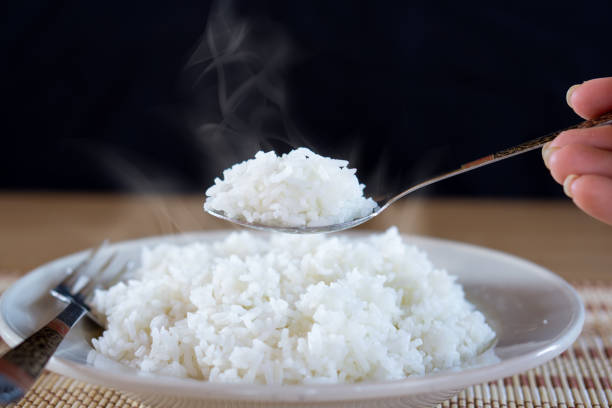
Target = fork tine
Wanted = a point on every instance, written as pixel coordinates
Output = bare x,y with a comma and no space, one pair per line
107,282
72,277
96,278
115,279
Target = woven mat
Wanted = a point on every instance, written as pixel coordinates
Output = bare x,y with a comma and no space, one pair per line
580,377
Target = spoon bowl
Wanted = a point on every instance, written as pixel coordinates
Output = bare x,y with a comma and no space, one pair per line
383,204
300,229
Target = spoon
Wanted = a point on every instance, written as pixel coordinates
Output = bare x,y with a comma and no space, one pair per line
383,204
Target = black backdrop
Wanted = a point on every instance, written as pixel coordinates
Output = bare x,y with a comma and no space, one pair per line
117,96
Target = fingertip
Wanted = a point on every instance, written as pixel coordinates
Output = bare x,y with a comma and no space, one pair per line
577,101
591,98
569,94
556,161
547,151
568,184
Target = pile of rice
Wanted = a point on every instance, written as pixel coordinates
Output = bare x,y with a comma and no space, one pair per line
297,189
290,309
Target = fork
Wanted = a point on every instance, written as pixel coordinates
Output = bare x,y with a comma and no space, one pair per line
22,365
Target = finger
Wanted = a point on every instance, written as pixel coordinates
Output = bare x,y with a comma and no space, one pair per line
591,98
599,137
579,159
593,195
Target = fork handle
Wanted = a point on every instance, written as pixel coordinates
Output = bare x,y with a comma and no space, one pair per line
21,366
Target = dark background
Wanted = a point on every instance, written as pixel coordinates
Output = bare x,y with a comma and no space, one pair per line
116,96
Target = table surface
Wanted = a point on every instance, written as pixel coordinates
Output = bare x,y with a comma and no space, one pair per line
38,227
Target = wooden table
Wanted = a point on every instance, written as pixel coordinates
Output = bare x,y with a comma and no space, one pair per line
37,227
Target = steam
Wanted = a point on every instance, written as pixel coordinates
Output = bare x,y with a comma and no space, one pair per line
236,75
237,105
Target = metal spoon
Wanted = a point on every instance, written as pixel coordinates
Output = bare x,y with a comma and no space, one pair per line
384,203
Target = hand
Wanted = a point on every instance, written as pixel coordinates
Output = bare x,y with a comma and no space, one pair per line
581,159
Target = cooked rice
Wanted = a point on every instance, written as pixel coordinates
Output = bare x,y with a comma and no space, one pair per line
290,309
297,189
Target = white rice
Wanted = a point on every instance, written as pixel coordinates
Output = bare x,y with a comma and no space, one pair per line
290,309
297,189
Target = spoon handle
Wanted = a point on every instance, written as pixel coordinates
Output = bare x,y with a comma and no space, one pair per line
605,119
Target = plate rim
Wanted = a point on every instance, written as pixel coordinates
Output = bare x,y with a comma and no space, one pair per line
437,382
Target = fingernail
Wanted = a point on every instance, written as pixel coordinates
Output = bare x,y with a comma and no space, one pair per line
567,184
568,95
547,150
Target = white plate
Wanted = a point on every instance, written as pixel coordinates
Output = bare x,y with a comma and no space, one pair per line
535,314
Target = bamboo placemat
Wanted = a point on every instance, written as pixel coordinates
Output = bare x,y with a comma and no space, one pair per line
580,377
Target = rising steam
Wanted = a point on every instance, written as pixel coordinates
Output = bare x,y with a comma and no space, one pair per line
237,77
